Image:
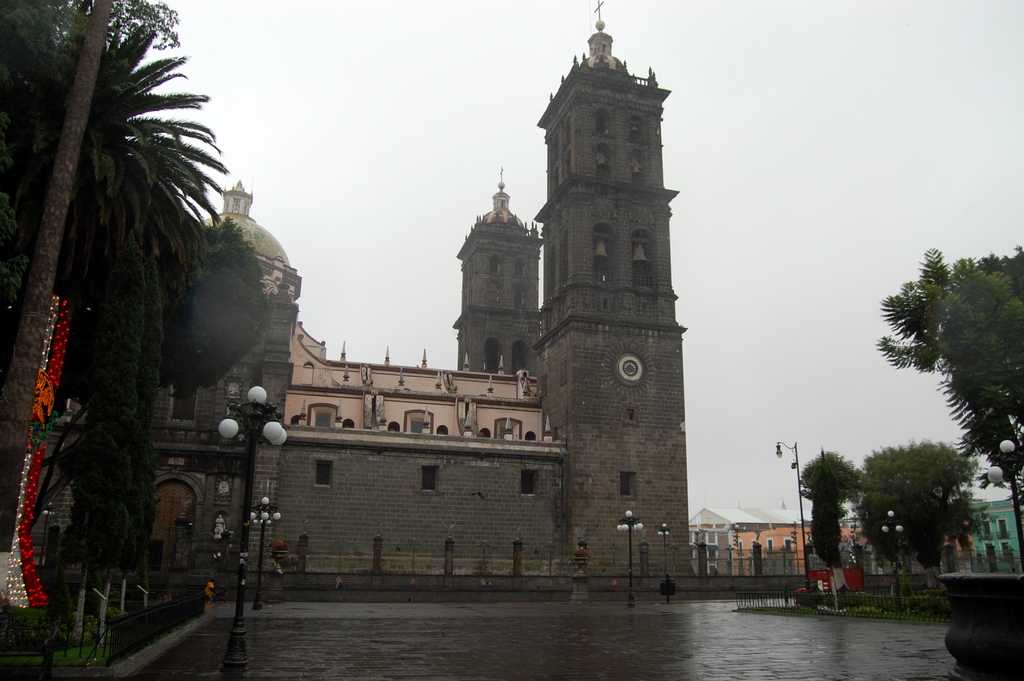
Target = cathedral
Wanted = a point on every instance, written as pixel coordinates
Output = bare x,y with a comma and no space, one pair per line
549,424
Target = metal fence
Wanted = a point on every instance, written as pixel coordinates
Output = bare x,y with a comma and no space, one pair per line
878,605
410,556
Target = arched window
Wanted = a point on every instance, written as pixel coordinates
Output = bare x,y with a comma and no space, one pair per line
530,435
636,166
395,427
492,264
636,129
520,267
483,432
348,423
442,430
492,351
603,250
518,356
602,160
601,122
643,271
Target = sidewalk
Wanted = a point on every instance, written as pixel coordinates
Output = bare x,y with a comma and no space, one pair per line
539,641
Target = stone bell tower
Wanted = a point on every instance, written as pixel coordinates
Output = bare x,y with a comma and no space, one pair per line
610,352
499,321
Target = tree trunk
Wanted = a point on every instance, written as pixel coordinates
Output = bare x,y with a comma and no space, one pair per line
931,576
19,390
80,606
103,606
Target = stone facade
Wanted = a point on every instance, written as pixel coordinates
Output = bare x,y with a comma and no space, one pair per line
500,276
610,353
415,452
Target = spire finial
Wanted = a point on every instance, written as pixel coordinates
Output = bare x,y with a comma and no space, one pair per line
600,23
501,179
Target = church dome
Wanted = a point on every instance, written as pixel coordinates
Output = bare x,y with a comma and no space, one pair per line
236,206
501,213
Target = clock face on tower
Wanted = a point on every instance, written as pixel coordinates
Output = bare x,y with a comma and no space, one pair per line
630,368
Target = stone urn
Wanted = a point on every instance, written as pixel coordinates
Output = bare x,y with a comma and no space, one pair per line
279,551
581,557
986,635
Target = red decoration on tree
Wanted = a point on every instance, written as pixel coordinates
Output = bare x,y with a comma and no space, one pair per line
37,597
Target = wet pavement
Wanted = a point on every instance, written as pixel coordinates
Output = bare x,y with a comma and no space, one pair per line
541,641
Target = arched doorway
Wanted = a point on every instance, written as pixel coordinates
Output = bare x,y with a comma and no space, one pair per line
174,499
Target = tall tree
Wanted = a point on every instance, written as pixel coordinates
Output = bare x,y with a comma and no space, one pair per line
140,498
965,322
220,317
928,487
12,269
19,388
102,469
829,481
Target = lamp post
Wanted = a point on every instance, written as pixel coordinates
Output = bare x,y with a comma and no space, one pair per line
258,417
800,497
888,526
1012,464
628,524
263,513
668,587
49,520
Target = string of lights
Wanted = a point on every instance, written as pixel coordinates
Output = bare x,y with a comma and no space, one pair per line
23,583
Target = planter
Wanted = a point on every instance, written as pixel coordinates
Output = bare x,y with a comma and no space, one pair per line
278,555
986,635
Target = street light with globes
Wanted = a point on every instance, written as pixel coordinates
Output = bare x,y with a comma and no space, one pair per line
997,474
254,418
628,524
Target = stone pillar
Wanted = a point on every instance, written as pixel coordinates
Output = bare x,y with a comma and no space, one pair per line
580,578
758,560
449,557
949,558
645,552
517,558
990,555
275,589
702,559
303,551
378,545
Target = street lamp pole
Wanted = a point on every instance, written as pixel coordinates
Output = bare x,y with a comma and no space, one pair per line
668,586
888,526
263,513
628,524
258,417
1012,463
800,497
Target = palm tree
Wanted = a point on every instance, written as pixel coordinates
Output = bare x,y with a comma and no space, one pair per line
134,172
137,171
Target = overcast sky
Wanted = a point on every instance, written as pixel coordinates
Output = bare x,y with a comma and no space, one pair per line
819,148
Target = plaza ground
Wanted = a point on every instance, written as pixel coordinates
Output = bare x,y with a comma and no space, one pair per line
539,641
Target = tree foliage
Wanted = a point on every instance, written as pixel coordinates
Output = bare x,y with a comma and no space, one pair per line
829,481
102,466
928,487
965,322
222,315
